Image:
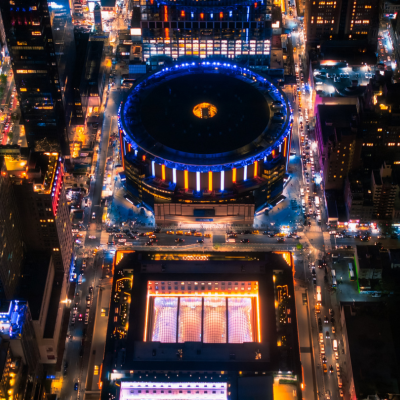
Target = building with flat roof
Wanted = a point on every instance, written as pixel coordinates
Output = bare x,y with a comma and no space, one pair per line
371,261
37,179
369,351
339,145
41,45
212,324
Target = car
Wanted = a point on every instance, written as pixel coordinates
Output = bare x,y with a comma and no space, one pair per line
365,239
331,369
73,321
333,329
149,243
326,320
320,264
314,280
322,347
76,386
336,355
341,393
337,367
280,240
324,368
313,273
170,232
327,335
331,312
92,237
271,235
91,289
245,241
157,230
80,317
179,240
323,358
321,338
232,235
93,215
200,241
332,320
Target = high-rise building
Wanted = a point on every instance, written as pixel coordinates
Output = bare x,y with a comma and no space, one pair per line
384,191
339,144
342,19
42,205
11,240
226,29
97,17
40,41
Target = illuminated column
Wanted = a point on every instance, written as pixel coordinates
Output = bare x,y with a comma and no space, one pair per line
198,181
186,175
245,173
222,181
255,169
163,172
153,168
174,175
280,148
285,148
273,153
234,175
210,185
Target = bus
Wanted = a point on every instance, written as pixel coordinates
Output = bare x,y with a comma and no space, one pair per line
351,271
317,201
334,282
319,295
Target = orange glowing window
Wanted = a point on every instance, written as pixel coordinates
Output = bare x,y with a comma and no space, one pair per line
144,157
255,168
210,185
183,13
221,15
273,153
166,33
201,16
186,174
165,13
129,148
234,175
284,148
255,5
163,172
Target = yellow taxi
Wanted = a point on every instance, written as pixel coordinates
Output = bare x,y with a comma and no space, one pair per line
188,233
149,233
256,232
179,232
207,235
170,232
198,234
153,236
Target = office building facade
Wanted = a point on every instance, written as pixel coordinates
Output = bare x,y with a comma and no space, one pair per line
226,29
40,41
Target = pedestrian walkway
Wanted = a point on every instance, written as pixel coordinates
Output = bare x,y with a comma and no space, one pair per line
327,241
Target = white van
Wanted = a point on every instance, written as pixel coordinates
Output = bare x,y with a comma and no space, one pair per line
334,345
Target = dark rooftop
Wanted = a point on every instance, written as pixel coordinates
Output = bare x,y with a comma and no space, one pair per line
241,113
371,257
332,117
371,348
33,281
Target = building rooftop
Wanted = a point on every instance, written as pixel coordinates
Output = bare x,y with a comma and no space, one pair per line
32,284
371,257
371,347
333,117
191,312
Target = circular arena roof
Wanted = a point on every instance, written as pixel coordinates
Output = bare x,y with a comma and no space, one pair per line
204,114
241,115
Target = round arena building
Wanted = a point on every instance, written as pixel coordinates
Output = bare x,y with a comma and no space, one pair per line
205,142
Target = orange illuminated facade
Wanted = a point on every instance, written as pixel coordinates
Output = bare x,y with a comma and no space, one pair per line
210,181
208,312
